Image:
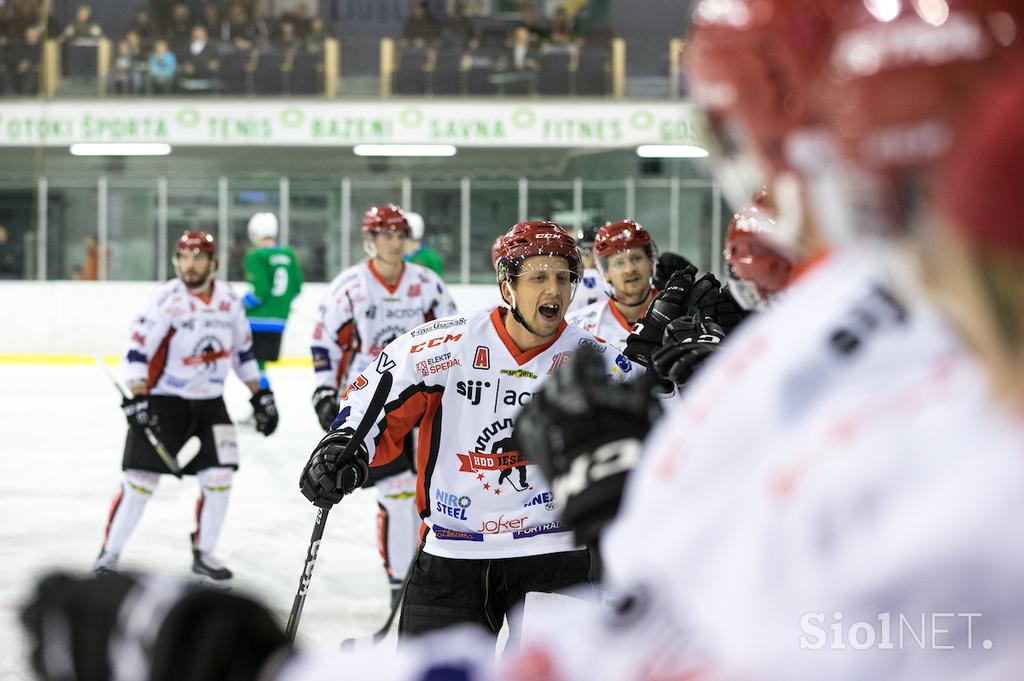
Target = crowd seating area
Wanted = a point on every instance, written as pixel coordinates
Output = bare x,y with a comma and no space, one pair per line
226,49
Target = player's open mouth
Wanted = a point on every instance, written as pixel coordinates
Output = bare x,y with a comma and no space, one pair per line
550,310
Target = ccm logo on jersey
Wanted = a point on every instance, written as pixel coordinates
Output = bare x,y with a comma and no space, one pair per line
436,341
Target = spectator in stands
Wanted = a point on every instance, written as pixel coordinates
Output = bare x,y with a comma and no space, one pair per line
300,20
562,32
241,30
11,259
180,32
25,13
90,270
286,38
122,70
83,26
216,26
522,55
199,61
420,29
145,28
163,12
536,24
25,56
315,38
459,26
162,67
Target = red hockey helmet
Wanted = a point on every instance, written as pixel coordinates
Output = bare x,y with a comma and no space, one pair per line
904,75
985,173
750,63
619,236
385,218
196,242
757,265
529,239
496,250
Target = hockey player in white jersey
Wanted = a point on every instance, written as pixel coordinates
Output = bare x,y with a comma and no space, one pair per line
366,307
625,254
491,530
592,287
181,348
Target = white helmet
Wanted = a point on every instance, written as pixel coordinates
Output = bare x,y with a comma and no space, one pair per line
416,225
262,226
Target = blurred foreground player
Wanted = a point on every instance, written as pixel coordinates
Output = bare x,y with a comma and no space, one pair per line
181,349
274,273
366,307
491,533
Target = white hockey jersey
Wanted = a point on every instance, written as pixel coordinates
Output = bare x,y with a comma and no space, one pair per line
603,320
590,290
360,314
463,380
183,345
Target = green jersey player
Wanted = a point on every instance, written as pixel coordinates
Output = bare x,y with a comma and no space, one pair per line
276,278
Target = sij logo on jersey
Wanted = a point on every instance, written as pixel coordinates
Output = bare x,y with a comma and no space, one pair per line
482,358
472,390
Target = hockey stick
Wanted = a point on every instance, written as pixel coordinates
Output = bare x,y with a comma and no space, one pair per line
372,411
158,447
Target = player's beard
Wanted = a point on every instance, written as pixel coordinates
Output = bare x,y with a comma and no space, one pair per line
195,280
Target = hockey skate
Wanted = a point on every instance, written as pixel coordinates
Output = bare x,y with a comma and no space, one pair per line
106,563
205,564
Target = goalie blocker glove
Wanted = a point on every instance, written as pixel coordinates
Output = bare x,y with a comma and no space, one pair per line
326,405
585,433
331,473
689,341
681,296
264,410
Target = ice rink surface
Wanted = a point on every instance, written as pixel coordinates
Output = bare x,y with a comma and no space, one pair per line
61,439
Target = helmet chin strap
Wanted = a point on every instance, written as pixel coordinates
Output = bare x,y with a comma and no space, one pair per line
515,310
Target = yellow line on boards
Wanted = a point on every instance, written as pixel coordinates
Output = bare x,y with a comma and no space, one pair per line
70,360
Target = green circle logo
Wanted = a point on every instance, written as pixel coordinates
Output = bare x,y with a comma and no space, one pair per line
524,118
292,117
188,117
411,117
642,120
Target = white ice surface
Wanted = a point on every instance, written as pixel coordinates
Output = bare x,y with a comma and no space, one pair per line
61,439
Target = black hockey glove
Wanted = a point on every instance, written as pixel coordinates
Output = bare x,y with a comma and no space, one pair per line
264,411
88,628
666,266
726,312
331,473
585,434
326,405
136,411
681,296
689,341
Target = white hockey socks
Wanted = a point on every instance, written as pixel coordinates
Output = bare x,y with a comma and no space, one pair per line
136,489
398,523
212,507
